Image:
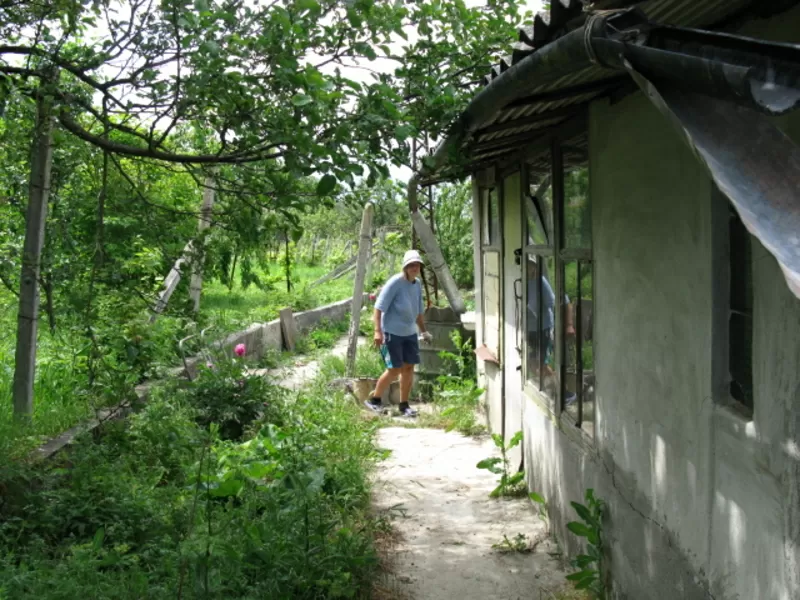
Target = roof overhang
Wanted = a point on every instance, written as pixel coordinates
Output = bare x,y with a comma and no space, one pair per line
716,88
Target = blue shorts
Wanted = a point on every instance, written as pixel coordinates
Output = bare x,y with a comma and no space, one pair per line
399,350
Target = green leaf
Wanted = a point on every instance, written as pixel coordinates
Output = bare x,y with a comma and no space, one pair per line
229,487
583,512
514,441
582,575
579,529
326,185
307,5
490,464
538,498
301,99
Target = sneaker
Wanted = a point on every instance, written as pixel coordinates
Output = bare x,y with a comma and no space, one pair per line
373,407
571,397
408,412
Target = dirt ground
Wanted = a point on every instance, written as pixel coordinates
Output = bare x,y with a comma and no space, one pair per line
445,524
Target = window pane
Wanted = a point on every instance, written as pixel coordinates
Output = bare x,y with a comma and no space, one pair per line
740,326
534,290
577,215
540,324
536,212
494,218
545,197
578,319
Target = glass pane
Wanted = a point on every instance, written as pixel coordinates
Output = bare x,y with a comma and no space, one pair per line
547,327
532,329
578,320
577,215
540,323
494,219
544,194
537,213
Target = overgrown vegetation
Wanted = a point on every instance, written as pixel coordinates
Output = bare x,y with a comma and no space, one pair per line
195,498
456,396
591,574
510,484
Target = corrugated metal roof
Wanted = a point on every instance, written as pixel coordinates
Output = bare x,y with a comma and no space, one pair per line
564,16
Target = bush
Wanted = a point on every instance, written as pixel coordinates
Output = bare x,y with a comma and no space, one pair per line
163,507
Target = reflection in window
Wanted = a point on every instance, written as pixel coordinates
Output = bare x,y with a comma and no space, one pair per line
540,322
577,219
535,210
491,218
579,372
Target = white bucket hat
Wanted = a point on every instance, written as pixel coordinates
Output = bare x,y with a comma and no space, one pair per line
412,256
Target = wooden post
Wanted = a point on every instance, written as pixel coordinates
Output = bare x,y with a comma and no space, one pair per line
171,282
196,284
364,249
438,262
35,220
288,329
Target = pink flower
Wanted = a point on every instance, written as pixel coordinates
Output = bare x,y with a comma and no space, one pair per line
239,350
372,297
209,365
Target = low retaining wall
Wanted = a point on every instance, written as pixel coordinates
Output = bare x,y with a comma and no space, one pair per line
257,338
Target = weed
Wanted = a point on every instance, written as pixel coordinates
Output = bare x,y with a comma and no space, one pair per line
591,574
541,505
520,543
510,485
164,507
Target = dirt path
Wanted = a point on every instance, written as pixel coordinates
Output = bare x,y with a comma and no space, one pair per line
303,369
450,523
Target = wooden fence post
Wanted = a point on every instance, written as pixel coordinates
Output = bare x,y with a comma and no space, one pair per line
364,250
35,220
196,284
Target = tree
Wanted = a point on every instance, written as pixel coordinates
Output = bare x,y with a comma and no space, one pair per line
260,93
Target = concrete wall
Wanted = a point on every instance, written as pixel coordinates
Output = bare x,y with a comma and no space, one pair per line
257,338
260,337
703,503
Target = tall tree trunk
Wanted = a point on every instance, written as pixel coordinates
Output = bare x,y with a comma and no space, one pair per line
196,285
35,218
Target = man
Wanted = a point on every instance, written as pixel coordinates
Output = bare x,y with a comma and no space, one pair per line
397,318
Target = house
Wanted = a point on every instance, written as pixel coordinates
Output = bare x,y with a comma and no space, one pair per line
636,174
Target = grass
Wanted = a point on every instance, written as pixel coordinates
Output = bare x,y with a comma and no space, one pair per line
163,507
62,393
254,305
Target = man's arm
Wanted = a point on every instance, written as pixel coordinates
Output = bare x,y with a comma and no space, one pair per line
376,324
421,323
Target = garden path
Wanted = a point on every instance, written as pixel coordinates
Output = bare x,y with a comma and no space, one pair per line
446,524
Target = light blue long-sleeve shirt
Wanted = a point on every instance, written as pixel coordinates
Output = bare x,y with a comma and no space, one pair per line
400,301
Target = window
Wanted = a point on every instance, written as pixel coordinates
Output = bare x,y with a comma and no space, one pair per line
490,251
740,317
559,282
491,218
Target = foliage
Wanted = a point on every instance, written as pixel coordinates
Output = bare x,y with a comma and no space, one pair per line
456,396
225,395
541,506
509,485
323,336
591,573
454,231
520,543
164,508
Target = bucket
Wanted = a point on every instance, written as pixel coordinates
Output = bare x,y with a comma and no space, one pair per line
363,386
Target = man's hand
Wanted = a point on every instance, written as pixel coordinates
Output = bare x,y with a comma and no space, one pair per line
426,337
570,331
378,338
